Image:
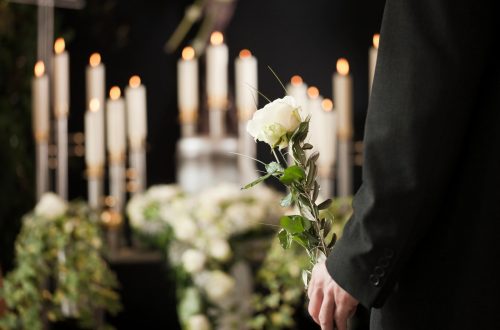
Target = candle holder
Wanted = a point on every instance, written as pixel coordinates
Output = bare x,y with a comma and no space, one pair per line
42,164
112,221
138,164
117,181
62,157
345,164
188,120
248,150
95,186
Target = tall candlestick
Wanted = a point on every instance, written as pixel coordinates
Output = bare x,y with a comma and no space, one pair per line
94,152
187,91
316,112
327,147
246,104
342,93
217,63
116,143
373,60
95,79
40,108
135,96
61,110
298,90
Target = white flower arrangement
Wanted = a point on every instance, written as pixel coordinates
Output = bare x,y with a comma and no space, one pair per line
200,228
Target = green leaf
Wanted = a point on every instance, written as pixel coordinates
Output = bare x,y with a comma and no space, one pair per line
313,158
287,200
256,182
301,240
293,224
307,146
311,175
298,153
305,211
315,191
324,205
291,174
300,133
284,239
274,167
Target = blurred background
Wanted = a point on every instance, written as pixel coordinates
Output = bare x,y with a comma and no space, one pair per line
292,37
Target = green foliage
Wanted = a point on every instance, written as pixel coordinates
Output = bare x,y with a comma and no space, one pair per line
59,273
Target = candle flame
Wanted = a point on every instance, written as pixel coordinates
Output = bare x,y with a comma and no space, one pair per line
39,69
376,40
94,105
134,81
59,45
114,93
95,60
327,105
245,53
188,53
216,38
296,80
343,66
313,92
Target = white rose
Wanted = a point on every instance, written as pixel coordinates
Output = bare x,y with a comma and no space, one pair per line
51,206
193,260
219,286
184,229
220,250
272,123
198,322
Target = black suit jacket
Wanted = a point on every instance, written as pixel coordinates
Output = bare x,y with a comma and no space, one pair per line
423,244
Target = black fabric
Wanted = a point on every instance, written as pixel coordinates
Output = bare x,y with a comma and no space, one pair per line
423,242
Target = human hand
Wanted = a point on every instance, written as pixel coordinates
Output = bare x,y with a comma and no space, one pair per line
329,304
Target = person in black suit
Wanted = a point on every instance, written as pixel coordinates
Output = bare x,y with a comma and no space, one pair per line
423,244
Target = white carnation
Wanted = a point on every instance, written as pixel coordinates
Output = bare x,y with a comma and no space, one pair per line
184,229
193,260
51,206
198,322
164,192
219,249
219,286
272,123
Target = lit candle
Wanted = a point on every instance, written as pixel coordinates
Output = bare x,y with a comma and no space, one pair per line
246,84
342,93
328,140
95,74
135,96
187,91
94,136
40,99
373,59
217,62
61,79
115,119
316,112
298,90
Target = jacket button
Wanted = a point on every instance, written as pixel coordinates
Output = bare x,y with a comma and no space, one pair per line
379,271
384,262
375,280
389,253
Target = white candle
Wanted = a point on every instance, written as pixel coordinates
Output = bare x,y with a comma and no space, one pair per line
217,63
115,119
94,135
328,134
316,112
95,74
246,84
187,80
298,90
342,94
373,60
40,103
135,96
61,79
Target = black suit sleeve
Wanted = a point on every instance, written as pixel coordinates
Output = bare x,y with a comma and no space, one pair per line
431,59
